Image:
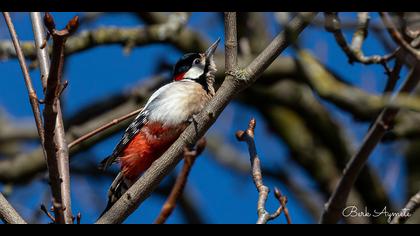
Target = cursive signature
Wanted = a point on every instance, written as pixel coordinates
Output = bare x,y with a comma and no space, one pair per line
353,211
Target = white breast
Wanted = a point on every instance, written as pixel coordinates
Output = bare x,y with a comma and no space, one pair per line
176,102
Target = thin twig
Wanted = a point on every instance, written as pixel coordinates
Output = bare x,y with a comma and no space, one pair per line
143,187
78,218
354,52
47,213
189,158
33,99
104,127
283,201
233,160
263,215
396,35
8,214
412,205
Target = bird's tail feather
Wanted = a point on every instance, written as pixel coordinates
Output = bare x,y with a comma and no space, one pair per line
105,163
118,187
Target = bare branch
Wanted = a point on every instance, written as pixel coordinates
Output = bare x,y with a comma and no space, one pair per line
283,201
153,17
25,166
343,95
228,156
177,35
8,214
55,142
354,52
393,76
231,44
397,37
263,215
230,87
42,54
412,205
33,99
189,158
104,127
265,58
47,213
382,124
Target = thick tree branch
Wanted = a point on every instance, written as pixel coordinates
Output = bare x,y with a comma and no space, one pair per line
307,150
412,205
8,214
231,44
252,38
42,54
152,18
349,97
230,87
337,201
397,37
170,32
321,137
55,143
189,158
25,166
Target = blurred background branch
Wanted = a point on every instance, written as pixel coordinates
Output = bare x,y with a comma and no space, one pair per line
317,129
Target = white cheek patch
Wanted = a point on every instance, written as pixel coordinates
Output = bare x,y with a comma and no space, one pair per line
194,72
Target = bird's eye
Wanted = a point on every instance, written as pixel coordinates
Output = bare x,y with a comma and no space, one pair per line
196,61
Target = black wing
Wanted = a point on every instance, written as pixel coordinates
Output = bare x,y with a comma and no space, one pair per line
129,133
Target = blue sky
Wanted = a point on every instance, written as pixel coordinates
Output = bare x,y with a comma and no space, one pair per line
221,196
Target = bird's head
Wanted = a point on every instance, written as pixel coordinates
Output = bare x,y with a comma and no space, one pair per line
197,67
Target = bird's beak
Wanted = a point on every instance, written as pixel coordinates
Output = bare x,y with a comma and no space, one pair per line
210,51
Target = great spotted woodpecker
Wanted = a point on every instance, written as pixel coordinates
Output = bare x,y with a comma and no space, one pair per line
164,117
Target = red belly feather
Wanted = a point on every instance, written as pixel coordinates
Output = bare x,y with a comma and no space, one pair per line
147,146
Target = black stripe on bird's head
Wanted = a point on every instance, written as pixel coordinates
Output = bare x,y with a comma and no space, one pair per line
194,66
189,61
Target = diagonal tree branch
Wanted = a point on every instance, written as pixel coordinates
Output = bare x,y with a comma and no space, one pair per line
230,87
412,205
8,214
104,127
381,125
25,166
396,35
189,158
